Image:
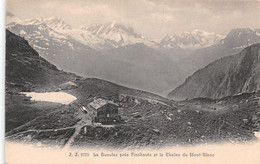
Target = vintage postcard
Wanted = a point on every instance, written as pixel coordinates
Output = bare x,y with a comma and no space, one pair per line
132,81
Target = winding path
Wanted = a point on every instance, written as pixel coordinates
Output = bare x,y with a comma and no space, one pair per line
38,131
85,120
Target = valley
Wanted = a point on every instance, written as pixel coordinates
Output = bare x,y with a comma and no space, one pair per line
35,115
113,51
131,81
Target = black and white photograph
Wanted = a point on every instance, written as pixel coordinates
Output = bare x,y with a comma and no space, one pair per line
175,80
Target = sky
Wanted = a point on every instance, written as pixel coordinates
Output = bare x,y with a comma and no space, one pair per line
153,18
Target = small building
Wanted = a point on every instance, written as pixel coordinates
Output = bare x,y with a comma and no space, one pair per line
106,111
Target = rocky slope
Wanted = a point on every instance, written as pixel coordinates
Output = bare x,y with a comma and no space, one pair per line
227,76
26,70
234,42
52,45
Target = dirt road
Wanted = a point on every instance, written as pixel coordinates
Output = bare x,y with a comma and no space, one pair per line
86,119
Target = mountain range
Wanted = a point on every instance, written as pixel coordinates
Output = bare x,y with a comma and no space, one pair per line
27,71
113,35
71,53
115,52
227,76
191,40
234,42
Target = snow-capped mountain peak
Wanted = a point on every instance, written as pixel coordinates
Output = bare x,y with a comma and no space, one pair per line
112,27
115,35
56,23
52,22
191,40
97,36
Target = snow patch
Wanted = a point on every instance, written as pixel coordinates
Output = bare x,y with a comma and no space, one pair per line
56,35
56,97
257,134
40,28
38,47
70,83
240,47
22,32
71,46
